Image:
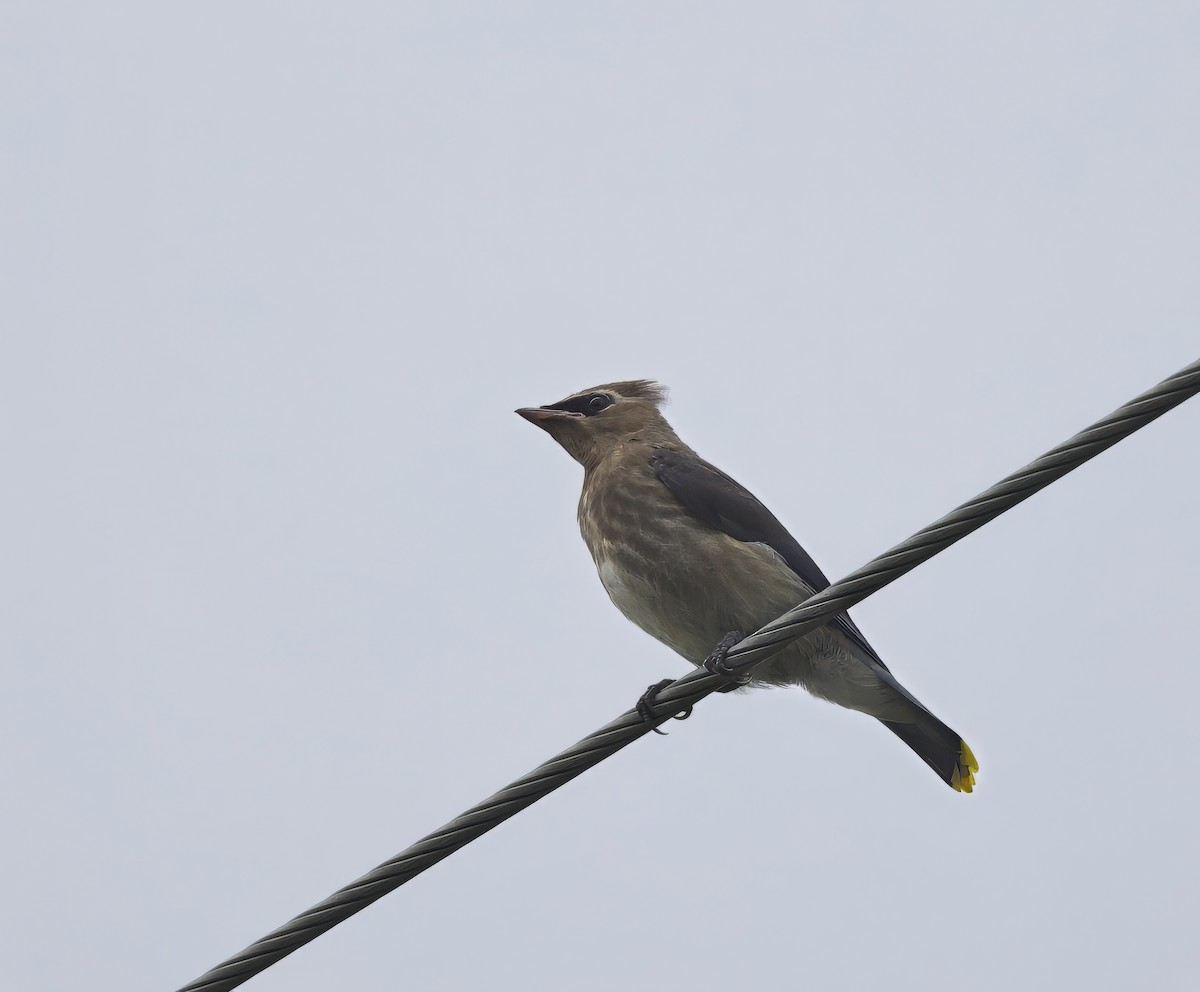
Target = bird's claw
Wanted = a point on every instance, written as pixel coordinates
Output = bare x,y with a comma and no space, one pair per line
714,664
645,705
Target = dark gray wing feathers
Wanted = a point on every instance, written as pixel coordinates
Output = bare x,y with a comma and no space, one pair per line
710,495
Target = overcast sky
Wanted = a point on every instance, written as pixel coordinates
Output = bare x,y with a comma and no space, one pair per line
286,584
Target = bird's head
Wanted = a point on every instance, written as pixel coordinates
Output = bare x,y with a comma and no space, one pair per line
593,422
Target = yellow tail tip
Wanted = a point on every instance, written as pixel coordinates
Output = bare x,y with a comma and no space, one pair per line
962,779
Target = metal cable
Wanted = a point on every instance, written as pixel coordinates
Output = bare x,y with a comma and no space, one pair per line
629,726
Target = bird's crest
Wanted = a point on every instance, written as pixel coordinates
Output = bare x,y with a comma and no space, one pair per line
638,389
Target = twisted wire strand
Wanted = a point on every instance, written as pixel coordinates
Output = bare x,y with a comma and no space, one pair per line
629,726
964,520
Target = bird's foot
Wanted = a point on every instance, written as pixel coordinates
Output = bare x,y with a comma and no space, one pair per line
645,705
714,664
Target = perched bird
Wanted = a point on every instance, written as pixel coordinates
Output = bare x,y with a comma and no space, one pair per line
692,558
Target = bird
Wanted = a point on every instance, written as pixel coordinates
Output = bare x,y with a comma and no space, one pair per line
694,559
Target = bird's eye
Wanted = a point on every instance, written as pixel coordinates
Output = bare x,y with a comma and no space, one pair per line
599,402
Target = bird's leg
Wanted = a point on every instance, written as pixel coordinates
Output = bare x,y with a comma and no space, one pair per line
714,664
645,705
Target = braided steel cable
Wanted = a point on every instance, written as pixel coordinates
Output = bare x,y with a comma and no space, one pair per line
684,692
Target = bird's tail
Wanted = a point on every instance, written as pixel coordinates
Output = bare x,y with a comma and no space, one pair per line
939,747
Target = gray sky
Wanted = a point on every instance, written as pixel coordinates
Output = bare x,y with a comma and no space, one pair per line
287,584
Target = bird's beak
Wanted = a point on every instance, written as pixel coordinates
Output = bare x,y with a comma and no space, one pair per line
545,418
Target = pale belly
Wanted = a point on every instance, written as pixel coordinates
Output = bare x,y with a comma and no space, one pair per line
689,601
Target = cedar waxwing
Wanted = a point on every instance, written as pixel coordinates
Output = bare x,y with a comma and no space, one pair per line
694,559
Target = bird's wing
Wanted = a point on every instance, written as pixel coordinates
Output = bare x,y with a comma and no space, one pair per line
710,495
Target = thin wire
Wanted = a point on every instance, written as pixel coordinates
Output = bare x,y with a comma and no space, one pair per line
687,691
